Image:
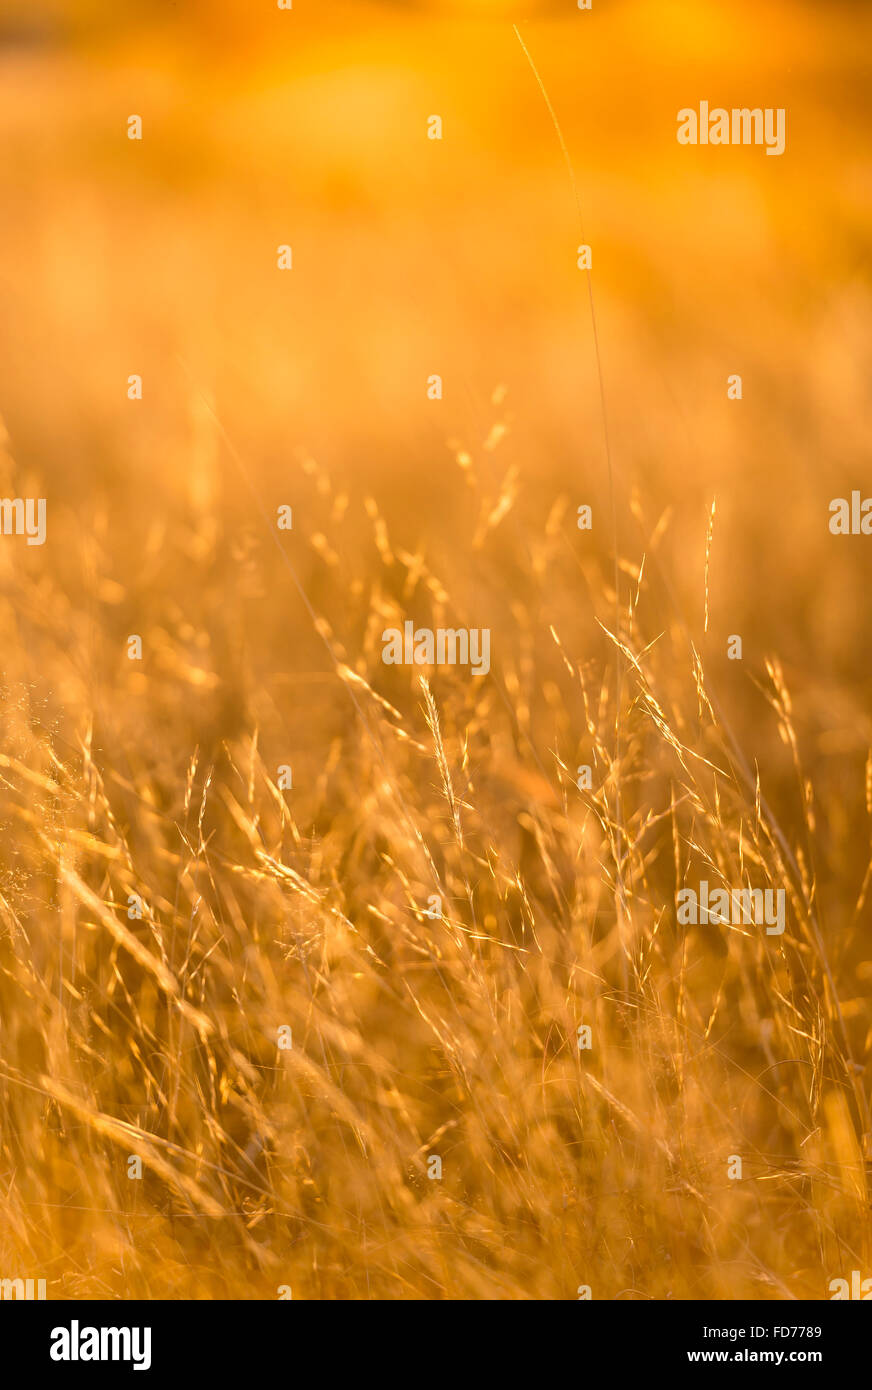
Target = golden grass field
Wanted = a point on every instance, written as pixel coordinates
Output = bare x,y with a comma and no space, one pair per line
452,1036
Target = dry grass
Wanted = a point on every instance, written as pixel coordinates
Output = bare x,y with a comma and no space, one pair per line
414,1036
452,1035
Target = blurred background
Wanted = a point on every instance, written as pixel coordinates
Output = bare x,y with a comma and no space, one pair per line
457,257
414,257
